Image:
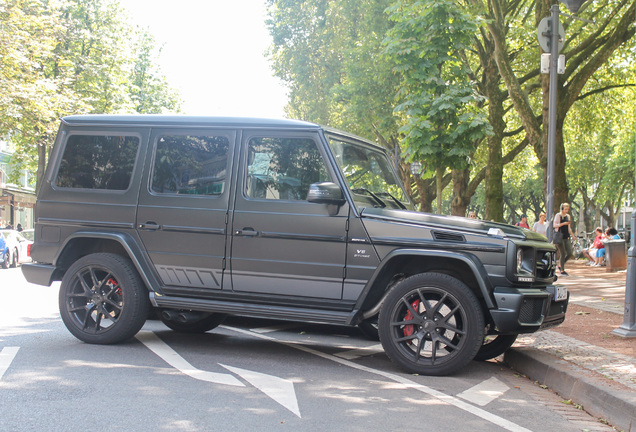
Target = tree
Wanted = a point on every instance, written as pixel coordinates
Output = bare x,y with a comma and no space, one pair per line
74,57
442,123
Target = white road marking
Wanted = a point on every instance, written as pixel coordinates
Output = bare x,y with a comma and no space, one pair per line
484,393
162,349
407,383
6,357
275,328
360,352
279,389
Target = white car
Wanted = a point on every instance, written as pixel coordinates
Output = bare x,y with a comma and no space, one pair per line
19,248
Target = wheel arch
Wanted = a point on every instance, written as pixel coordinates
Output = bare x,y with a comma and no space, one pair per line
402,263
84,243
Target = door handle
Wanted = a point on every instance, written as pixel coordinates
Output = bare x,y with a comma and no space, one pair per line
149,226
246,232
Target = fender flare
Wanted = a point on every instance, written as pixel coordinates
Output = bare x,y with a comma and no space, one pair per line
473,263
130,245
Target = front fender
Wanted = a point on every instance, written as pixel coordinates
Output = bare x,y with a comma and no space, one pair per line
371,298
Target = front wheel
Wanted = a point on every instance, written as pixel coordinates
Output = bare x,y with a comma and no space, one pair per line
6,260
102,299
431,324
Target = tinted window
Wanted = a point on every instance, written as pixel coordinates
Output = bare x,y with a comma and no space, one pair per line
283,168
190,165
98,162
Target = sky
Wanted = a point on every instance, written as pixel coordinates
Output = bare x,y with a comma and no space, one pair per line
214,54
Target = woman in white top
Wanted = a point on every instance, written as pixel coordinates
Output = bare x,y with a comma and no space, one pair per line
540,226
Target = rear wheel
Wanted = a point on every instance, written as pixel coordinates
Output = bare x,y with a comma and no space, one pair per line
205,323
431,324
494,346
102,299
14,261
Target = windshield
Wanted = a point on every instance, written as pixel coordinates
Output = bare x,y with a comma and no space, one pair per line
369,176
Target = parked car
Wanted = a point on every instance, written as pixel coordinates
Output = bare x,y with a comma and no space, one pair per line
28,233
18,246
201,217
5,254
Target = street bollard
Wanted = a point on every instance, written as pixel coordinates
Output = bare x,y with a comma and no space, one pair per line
628,328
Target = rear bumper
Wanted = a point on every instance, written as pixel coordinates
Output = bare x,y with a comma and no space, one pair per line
40,274
523,310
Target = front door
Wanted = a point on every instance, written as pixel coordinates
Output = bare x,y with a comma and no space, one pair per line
182,213
281,243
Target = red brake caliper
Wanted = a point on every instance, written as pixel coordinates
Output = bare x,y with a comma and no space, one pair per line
113,284
410,329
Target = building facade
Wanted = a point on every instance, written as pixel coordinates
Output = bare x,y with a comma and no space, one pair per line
17,200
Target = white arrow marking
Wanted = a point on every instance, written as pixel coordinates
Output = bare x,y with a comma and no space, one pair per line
484,393
6,357
160,348
279,389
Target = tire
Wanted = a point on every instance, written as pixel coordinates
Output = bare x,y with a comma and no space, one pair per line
103,300
431,324
6,259
16,258
494,346
203,325
370,328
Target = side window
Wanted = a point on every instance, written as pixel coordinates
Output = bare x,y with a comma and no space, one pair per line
283,168
190,165
98,162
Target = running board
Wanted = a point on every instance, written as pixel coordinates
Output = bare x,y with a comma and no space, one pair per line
253,310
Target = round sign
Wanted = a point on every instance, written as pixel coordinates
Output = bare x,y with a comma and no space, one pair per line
543,32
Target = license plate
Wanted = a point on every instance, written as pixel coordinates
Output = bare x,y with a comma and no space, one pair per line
561,293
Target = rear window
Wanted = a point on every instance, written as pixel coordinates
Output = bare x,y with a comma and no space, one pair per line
98,162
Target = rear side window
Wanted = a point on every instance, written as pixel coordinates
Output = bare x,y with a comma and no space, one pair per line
190,165
98,162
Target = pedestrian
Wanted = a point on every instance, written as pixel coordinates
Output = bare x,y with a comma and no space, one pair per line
594,254
562,232
19,228
472,215
523,223
540,226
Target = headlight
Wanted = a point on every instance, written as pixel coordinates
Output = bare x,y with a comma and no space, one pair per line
525,264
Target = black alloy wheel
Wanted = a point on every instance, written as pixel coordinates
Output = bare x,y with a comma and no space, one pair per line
102,299
431,324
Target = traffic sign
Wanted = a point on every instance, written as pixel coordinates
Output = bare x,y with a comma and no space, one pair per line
544,30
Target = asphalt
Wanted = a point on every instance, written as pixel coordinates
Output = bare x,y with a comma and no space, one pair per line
600,380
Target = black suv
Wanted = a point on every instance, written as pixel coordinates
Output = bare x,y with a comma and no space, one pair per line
200,218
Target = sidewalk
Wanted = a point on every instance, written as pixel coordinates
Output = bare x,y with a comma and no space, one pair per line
582,360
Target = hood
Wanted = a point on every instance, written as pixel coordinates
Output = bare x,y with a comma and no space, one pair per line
473,226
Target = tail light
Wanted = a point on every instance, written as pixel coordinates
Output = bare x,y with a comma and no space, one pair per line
29,250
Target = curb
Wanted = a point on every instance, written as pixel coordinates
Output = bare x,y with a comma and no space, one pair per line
600,398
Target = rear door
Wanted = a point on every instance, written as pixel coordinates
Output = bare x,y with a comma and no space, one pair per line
182,212
281,243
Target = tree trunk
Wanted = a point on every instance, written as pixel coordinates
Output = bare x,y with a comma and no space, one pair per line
494,168
461,192
440,178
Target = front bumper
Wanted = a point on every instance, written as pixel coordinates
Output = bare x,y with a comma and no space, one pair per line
525,310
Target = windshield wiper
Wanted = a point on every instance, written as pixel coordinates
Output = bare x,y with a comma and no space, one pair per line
374,196
397,201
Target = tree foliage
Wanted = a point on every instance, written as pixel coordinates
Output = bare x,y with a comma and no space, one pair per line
71,56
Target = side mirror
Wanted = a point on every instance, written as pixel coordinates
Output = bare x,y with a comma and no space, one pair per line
326,193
